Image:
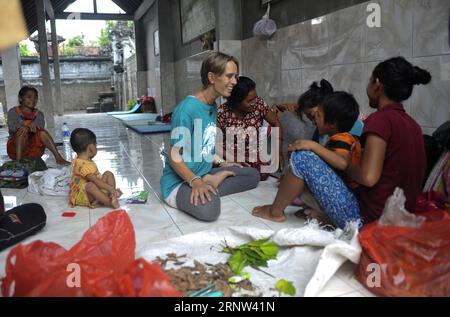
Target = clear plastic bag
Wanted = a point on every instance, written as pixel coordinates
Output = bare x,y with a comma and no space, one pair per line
265,27
395,214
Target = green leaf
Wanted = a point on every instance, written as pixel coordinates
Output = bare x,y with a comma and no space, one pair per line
257,243
270,250
237,262
286,287
255,254
258,251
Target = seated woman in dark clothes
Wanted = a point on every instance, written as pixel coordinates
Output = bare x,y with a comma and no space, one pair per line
394,150
244,113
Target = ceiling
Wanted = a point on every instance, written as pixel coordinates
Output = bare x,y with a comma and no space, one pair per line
29,9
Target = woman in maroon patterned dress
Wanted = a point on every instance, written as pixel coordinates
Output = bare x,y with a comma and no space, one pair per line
243,115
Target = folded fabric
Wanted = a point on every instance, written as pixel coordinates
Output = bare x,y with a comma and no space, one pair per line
53,182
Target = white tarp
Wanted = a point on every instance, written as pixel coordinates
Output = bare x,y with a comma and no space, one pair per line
52,182
308,256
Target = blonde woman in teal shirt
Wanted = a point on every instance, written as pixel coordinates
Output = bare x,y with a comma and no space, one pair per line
190,182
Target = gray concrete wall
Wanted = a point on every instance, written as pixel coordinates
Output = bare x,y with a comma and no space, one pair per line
130,80
168,89
180,63
159,72
75,96
150,23
288,12
228,20
181,50
10,71
141,57
71,68
82,79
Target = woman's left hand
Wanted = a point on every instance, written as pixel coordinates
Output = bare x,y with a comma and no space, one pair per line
302,145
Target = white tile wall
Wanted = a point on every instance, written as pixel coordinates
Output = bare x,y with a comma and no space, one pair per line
344,50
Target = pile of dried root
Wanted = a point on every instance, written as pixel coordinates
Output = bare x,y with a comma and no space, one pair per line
188,280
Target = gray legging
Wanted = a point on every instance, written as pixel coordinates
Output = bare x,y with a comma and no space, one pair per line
246,179
294,129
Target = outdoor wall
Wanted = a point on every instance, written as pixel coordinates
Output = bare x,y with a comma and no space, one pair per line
344,50
175,59
150,23
181,50
75,96
81,78
166,44
181,63
130,90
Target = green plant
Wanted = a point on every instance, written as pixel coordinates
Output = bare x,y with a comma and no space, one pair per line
93,43
24,51
254,254
75,41
131,104
103,39
68,51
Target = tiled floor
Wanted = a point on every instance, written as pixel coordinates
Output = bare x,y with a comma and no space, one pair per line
137,165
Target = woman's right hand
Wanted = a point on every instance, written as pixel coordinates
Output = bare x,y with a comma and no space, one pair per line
285,107
201,192
33,127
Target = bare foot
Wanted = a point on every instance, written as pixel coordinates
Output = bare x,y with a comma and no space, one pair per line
119,193
267,213
115,203
217,179
61,161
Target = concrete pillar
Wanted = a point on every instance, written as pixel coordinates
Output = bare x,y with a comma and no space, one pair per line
141,57
228,20
11,75
166,46
47,100
56,68
229,27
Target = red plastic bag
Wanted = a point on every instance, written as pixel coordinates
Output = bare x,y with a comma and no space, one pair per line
411,261
145,280
101,264
431,201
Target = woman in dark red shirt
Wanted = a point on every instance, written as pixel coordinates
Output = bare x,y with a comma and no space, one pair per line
243,115
394,151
